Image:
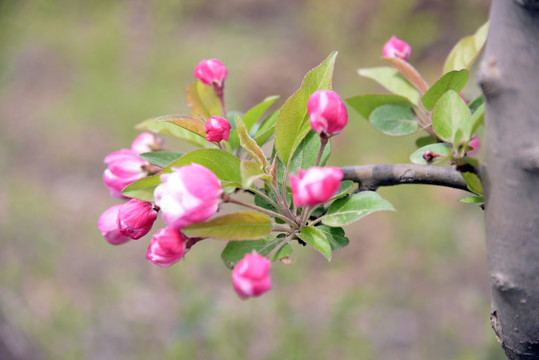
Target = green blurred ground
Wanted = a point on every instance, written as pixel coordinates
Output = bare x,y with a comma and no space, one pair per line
75,76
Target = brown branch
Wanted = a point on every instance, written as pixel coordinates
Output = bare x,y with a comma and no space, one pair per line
371,177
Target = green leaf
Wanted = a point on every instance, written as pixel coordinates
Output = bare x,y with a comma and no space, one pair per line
335,236
354,207
223,164
167,128
292,124
425,140
409,73
476,103
203,101
453,80
392,80
438,148
160,158
234,251
253,114
365,104
142,189
394,120
186,122
250,172
250,145
346,185
477,118
473,182
316,239
472,199
464,53
243,225
451,114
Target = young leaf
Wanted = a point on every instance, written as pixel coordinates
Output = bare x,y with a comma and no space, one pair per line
160,158
167,128
476,103
250,145
473,182
472,199
250,172
392,80
186,122
425,140
234,251
453,80
477,118
142,189
394,120
450,114
203,101
316,239
464,53
437,149
346,185
410,73
253,114
335,236
365,104
243,225
351,208
292,124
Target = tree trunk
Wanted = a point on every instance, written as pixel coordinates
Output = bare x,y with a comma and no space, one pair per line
509,77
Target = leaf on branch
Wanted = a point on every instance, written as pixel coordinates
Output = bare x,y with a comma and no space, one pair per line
394,120
453,80
253,114
351,208
392,80
143,189
472,200
250,145
439,150
335,236
317,240
267,128
243,225
203,101
473,182
234,251
410,73
365,104
160,158
292,124
167,128
188,123
464,53
451,114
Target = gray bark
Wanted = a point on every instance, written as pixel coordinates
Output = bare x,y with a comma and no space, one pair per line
509,77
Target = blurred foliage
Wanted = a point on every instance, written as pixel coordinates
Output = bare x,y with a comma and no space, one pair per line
76,76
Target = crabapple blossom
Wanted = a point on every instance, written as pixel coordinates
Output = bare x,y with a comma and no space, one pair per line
396,48
251,276
146,142
167,247
474,144
136,218
108,225
124,168
188,195
315,185
217,129
327,112
211,72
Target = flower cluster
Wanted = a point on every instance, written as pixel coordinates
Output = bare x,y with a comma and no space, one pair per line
188,194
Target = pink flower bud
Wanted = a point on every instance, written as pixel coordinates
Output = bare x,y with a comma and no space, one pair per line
108,225
217,129
124,168
396,48
146,142
251,276
135,218
315,185
474,144
188,195
327,112
211,72
167,247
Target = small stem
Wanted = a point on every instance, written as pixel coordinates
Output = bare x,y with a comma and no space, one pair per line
266,197
323,142
278,247
282,228
282,204
219,91
227,198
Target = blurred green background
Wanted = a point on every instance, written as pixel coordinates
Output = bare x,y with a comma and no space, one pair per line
76,76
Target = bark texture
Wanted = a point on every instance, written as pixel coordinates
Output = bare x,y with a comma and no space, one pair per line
509,77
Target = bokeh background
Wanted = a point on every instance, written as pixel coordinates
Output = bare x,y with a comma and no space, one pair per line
76,76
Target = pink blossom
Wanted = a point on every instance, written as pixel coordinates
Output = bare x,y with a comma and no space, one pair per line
327,112
315,185
211,72
188,195
108,225
146,142
124,168
251,276
217,129
396,48
474,144
167,247
136,218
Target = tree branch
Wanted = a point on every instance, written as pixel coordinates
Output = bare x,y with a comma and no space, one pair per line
371,177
